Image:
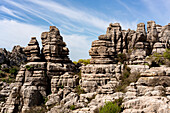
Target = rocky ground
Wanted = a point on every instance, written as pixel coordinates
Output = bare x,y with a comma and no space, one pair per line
129,72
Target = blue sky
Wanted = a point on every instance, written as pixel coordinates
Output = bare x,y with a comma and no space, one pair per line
80,21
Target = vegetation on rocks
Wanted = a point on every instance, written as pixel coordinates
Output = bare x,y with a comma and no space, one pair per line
8,74
112,107
79,90
29,67
82,61
121,58
127,78
72,107
160,59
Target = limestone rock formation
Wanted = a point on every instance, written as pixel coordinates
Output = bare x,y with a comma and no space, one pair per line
48,78
103,68
150,93
33,50
55,52
44,73
14,58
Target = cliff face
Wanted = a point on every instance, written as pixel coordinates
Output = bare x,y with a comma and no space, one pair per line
48,77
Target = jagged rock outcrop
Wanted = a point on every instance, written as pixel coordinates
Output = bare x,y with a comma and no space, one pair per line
55,52
49,77
44,73
150,93
33,50
31,83
103,70
14,58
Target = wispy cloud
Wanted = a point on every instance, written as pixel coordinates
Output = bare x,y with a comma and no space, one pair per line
28,9
127,7
72,13
158,10
10,12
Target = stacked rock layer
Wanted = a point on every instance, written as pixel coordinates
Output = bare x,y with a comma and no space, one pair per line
136,45
45,73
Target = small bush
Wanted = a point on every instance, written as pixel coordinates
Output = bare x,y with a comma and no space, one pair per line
110,107
6,70
2,74
160,59
167,54
84,61
7,80
13,71
4,80
61,86
72,107
126,79
45,99
29,67
121,58
78,90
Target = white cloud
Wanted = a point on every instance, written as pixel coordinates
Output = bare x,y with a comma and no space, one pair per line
72,13
79,45
9,12
16,33
31,11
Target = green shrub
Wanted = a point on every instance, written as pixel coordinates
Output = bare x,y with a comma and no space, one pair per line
45,99
121,58
13,71
126,79
61,86
78,90
72,107
110,107
160,59
79,74
8,80
2,74
75,62
4,80
84,61
29,67
167,54
6,70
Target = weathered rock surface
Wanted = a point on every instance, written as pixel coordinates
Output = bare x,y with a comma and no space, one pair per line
45,72
14,58
48,77
150,93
